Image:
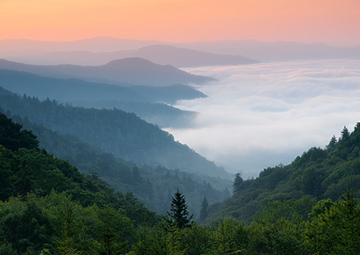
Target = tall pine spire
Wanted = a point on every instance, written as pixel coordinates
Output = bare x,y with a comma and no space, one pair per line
179,215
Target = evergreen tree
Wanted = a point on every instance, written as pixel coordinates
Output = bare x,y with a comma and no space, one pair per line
345,134
237,183
179,215
332,144
203,211
13,137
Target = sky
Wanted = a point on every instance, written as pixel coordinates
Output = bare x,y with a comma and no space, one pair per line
336,22
262,115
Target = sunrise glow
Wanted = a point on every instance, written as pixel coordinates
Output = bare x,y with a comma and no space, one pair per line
331,21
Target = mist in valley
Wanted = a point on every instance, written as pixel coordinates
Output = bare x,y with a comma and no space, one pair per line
266,114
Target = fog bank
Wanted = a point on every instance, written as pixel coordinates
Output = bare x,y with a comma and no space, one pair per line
265,114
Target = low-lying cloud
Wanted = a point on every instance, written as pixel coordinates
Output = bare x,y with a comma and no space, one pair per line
265,114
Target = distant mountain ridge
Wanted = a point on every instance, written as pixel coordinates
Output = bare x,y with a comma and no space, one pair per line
149,103
114,131
134,71
19,50
276,51
160,54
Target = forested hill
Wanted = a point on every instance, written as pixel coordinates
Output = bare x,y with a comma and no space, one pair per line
27,169
45,203
48,207
123,134
153,186
317,173
71,90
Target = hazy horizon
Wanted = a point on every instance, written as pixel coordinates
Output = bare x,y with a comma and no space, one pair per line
94,37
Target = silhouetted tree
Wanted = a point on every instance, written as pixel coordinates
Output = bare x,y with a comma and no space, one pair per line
179,215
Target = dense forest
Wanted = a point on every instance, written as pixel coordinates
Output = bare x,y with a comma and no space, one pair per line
317,173
152,185
122,134
48,207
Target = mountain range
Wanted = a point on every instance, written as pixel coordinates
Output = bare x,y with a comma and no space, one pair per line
276,51
122,134
207,52
160,54
149,103
136,71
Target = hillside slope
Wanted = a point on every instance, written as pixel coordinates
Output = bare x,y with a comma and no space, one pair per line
26,168
317,173
146,183
122,134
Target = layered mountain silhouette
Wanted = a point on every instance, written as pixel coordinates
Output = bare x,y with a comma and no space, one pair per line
104,49
149,103
276,51
130,70
70,90
160,54
122,134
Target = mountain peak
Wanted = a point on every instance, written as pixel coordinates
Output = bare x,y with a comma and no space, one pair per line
130,62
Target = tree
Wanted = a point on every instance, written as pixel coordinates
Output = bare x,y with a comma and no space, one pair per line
13,137
115,232
237,183
332,144
345,134
335,227
179,215
203,211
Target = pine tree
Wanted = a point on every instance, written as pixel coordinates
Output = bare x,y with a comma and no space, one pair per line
345,133
332,144
237,183
179,215
203,211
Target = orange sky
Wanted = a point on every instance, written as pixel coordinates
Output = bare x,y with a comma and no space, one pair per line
332,21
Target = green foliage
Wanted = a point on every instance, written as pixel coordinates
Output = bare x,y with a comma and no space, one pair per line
13,137
50,207
317,173
29,227
153,186
179,215
116,231
335,227
238,181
